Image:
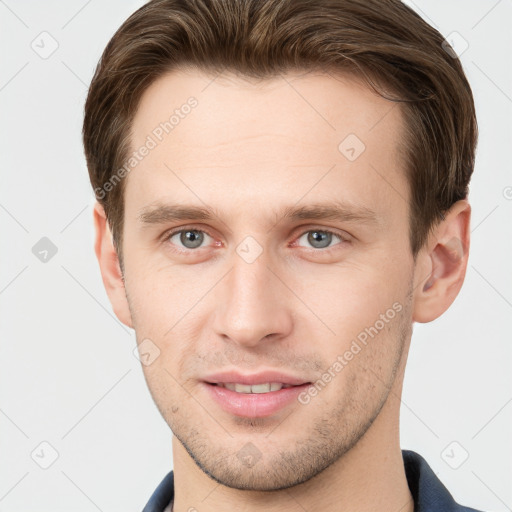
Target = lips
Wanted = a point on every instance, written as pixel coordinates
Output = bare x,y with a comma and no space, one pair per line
255,388
254,395
266,377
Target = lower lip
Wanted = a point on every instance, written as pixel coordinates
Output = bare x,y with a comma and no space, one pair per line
254,405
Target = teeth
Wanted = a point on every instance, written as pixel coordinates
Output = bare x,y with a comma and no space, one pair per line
242,388
256,388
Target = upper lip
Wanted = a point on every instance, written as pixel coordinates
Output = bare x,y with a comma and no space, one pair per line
254,378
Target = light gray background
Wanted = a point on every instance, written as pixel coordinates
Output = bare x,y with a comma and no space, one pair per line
68,375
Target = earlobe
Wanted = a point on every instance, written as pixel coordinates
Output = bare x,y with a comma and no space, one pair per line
441,264
109,266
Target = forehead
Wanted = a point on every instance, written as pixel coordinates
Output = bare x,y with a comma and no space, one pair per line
327,106
295,135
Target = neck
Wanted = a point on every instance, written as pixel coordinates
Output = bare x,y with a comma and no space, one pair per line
369,477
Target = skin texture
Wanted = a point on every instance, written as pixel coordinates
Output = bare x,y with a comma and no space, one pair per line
248,150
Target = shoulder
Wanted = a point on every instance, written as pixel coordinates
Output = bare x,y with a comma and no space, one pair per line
429,493
162,496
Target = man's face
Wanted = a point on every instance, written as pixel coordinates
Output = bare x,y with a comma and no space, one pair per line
252,289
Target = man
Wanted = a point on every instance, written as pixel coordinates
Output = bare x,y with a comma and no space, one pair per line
282,191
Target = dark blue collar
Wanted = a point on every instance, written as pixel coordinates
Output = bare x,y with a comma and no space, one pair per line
428,492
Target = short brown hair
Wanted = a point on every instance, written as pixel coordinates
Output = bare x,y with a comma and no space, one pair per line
385,42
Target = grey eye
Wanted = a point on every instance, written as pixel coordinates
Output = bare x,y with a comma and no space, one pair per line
190,238
319,239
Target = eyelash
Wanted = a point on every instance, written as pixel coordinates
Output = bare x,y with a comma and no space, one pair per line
169,234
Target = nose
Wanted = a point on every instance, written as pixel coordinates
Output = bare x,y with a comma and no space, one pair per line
253,304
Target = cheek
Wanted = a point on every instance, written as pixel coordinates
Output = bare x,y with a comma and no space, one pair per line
348,298
168,309
366,310
173,403
161,295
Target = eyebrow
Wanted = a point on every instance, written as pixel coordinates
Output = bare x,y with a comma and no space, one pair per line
334,211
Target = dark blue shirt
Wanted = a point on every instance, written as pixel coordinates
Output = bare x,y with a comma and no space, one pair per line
429,494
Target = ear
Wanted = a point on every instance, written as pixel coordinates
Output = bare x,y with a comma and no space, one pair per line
441,264
109,266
